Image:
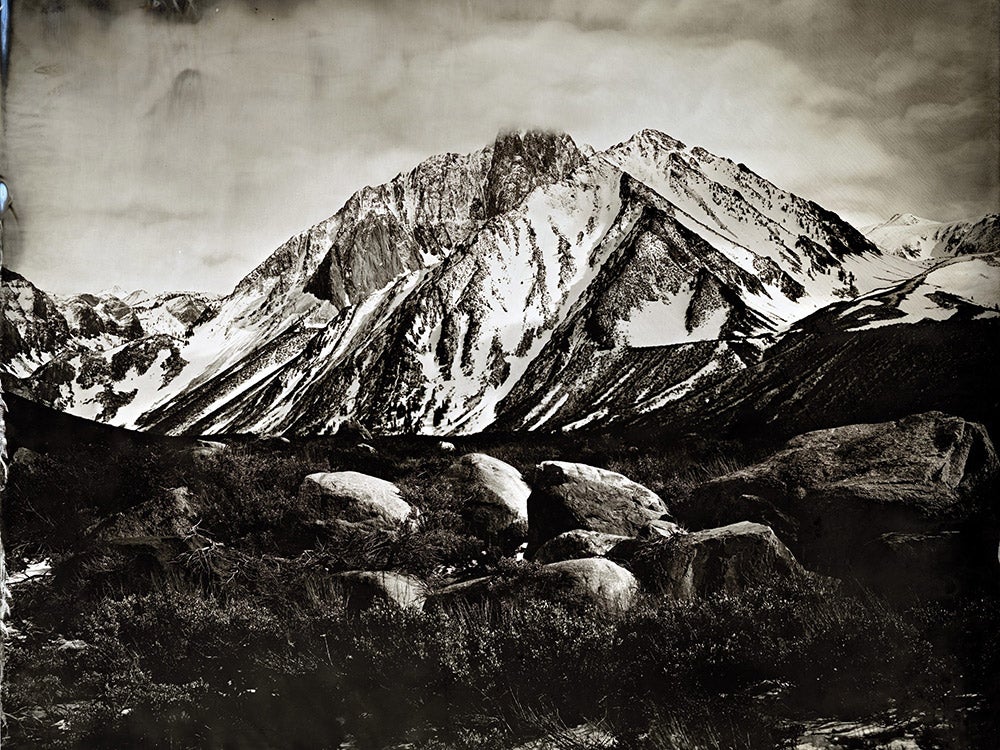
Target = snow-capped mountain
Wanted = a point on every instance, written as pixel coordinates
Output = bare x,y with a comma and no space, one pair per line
533,284
80,352
961,288
931,342
910,236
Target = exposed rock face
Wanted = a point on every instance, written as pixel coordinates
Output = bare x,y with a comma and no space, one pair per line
524,160
363,589
568,496
32,325
586,582
725,560
579,543
354,497
494,494
829,492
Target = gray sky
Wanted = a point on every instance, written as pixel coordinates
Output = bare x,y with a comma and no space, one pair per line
152,153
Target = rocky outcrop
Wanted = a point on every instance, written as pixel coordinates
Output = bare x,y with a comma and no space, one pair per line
725,560
363,589
494,496
572,545
353,497
524,160
568,496
831,492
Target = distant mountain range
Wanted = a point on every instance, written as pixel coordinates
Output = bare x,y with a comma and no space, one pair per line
534,284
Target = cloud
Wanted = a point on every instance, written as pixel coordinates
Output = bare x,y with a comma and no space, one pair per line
160,154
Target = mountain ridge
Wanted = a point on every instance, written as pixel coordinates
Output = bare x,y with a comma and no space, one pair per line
476,291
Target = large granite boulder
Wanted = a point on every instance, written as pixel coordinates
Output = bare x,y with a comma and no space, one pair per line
831,492
353,497
568,496
724,560
494,497
589,582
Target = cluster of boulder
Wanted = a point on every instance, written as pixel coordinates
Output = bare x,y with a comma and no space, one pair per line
906,507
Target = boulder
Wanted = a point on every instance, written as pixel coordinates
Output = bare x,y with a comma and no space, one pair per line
586,582
494,496
208,448
354,497
568,496
352,429
725,560
174,513
362,589
572,545
593,580
830,492
659,529
446,447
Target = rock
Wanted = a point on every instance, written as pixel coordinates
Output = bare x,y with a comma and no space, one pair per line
494,495
362,589
880,733
593,580
25,457
208,448
366,448
830,492
725,560
659,529
174,513
355,497
567,496
352,429
587,582
445,447
72,645
572,545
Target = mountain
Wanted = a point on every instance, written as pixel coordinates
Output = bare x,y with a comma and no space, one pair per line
80,352
929,343
910,236
533,284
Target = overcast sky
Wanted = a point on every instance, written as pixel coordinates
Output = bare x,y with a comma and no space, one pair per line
145,152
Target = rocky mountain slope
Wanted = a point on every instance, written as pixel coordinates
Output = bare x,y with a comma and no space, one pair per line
533,284
931,342
80,353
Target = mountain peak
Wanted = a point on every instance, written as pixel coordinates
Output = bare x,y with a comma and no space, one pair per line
649,139
907,220
524,159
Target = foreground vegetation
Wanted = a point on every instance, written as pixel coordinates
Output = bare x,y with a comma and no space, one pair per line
244,641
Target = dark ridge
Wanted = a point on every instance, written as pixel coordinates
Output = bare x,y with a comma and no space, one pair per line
42,429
